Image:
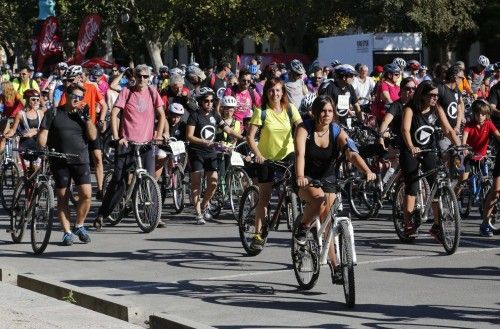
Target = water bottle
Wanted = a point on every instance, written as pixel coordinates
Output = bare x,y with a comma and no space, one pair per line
388,175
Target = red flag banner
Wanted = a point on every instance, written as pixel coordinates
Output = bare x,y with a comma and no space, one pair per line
88,30
49,41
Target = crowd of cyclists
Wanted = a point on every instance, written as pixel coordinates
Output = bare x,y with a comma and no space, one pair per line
281,112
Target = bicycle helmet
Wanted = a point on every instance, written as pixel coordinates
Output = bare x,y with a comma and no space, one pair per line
163,69
391,68
413,65
176,108
344,70
252,69
38,75
306,103
423,68
496,66
73,71
204,92
483,61
297,67
62,65
229,101
31,93
97,72
336,63
399,62
176,71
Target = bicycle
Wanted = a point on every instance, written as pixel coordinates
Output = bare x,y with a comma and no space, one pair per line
287,207
231,182
142,194
172,177
9,175
449,216
308,258
33,203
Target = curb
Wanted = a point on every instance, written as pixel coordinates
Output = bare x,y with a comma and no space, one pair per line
96,303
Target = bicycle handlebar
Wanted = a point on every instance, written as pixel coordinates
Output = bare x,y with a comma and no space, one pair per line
47,153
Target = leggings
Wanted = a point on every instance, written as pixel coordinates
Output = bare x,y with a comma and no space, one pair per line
410,165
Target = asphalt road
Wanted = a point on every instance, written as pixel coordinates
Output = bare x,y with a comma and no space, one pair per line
201,273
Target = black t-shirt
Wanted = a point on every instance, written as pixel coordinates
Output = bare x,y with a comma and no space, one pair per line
334,91
217,84
494,98
178,131
422,129
396,109
66,134
449,100
205,128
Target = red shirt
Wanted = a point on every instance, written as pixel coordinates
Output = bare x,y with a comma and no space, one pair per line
91,96
478,137
11,108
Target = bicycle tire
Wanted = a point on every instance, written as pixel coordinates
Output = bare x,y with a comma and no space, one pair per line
347,264
118,212
18,221
246,219
162,182
108,151
363,194
305,259
397,213
73,195
9,176
238,180
449,219
42,217
465,201
292,207
494,220
147,203
485,189
178,190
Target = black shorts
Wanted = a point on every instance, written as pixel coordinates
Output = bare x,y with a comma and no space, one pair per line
199,162
64,173
97,143
266,172
496,170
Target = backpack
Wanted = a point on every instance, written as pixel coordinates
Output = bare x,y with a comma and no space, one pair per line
263,115
131,91
334,129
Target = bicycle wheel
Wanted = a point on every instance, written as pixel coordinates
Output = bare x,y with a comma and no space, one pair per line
465,201
347,264
246,219
363,198
397,213
73,193
41,218
119,211
305,258
449,220
237,181
163,184
216,203
178,190
9,177
17,213
292,208
147,203
108,150
485,189
494,220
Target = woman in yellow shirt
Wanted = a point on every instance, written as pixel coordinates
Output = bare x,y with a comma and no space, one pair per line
275,143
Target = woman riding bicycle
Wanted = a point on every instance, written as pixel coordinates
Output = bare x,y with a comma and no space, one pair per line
421,117
321,141
275,119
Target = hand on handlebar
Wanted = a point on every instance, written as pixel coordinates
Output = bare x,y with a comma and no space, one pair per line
259,159
302,181
123,142
370,177
415,151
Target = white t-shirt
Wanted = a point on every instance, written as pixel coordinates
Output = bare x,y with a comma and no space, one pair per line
295,91
363,89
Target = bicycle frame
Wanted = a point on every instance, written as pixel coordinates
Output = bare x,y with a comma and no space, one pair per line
441,180
137,172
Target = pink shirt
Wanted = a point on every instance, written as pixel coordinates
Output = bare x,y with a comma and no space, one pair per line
378,106
244,101
138,115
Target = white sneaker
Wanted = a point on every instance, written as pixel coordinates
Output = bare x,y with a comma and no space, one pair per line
207,215
199,220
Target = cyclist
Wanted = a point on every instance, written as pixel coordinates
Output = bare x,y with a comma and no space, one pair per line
477,75
305,106
401,63
412,69
387,91
421,116
11,103
27,123
163,82
56,79
321,141
200,132
68,129
176,92
246,97
315,79
464,85
296,89
477,134
276,125
25,82
492,197
364,86
450,100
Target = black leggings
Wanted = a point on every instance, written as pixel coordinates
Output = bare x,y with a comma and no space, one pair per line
410,165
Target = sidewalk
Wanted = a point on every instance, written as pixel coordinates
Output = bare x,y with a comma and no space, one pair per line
24,309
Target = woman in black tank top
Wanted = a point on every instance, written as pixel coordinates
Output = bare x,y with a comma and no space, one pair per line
318,143
421,116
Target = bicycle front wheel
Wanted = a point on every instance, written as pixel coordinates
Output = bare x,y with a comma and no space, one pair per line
449,220
237,181
17,213
465,201
347,264
120,208
292,208
485,189
9,177
41,218
363,198
246,219
494,220
397,213
147,203
305,259
178,190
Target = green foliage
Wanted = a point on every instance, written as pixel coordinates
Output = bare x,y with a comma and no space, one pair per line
70,298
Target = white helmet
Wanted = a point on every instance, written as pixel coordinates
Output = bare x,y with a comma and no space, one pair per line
483,61
229,101
399,62
306,103
176,71
73,71
176,108
297,66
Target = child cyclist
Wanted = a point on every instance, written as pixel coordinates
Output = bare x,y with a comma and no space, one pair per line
228,106
477,134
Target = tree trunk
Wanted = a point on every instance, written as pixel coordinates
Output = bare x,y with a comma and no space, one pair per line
154,50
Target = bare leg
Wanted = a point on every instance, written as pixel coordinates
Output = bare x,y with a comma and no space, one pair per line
99,168
85,196
211,177
261,210
63,212
195,191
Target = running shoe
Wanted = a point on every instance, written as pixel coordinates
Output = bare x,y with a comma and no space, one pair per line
199,220
82,234
67,239
485,230
257,242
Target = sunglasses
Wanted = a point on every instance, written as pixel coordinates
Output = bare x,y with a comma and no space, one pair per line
34,99
411,88
76,97
432,95
144,76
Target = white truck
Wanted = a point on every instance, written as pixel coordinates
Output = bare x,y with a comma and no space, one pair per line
370,48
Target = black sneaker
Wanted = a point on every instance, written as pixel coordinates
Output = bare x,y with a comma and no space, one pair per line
67,239
336,272
82,234
98,196
301,235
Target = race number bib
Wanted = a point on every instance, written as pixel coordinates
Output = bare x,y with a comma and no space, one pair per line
177,147
236,159
343,102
